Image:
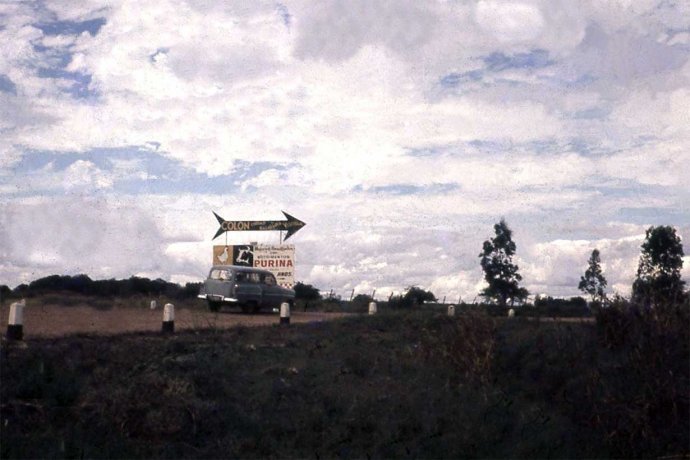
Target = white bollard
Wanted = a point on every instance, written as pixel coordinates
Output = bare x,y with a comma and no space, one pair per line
285,313
168,319
511,313
372,308
154,305
451,310
15,323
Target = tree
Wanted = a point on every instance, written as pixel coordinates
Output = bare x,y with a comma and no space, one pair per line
658,283
593,281
306,292
499,271
416,296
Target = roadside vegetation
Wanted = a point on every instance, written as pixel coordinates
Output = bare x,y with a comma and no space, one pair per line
401,384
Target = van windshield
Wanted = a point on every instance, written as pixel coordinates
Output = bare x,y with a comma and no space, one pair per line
219,274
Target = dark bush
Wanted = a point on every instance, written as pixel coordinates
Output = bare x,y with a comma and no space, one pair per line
653,351
306,292
553,307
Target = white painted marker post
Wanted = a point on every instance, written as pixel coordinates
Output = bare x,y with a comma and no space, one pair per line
168,319
451,310
15,323
372,308
511,313
153,305
285,313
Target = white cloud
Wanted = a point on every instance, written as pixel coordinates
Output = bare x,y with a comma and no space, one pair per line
510,21
82,174
336,101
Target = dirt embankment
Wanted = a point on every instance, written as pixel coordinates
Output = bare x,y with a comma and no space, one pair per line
46,319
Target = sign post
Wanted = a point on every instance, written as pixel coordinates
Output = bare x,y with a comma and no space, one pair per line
278,259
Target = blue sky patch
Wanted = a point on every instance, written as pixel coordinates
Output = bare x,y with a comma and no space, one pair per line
80,87
535,59
92,26
284,14
426,152
161,175
7,85
498,62
56,57
454,79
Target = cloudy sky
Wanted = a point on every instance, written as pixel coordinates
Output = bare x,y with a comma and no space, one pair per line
399,131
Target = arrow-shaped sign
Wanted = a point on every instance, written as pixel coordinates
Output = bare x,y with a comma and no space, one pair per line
291,225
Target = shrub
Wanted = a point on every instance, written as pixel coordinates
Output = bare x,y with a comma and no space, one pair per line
653,350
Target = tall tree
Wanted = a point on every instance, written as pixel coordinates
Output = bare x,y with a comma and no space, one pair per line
500,272
658,283
593,281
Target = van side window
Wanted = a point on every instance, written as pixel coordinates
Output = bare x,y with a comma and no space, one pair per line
241,277
269,279
254,278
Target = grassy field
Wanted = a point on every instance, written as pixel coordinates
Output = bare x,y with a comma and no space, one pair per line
397,385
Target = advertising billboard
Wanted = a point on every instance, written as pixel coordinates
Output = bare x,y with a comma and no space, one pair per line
279,259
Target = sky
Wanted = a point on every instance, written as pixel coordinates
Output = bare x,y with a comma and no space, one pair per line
399,131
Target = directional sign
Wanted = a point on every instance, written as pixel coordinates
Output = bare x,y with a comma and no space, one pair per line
291,225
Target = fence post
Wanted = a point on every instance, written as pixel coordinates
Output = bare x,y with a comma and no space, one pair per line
154,305
511,313
168,319
285,313
372,308
451,310
15,323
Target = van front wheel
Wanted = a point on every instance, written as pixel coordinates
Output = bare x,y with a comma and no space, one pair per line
213,306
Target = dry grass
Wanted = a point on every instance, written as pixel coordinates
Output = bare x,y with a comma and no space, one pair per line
57,316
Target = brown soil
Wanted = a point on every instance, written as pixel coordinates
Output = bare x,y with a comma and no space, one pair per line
51,320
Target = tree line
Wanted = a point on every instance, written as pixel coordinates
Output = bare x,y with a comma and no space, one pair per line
82,284
657,283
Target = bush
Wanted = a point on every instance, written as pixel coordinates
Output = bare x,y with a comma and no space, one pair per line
653,349
575,307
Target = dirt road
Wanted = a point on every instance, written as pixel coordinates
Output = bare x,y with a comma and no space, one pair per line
46,320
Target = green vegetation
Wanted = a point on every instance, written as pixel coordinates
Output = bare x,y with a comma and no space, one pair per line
658,282
593,281
82,284
403,384
500,273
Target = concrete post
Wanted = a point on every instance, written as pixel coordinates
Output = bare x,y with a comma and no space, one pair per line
285,313
168,319
511,313
15,323
154,305
451,310
372,308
